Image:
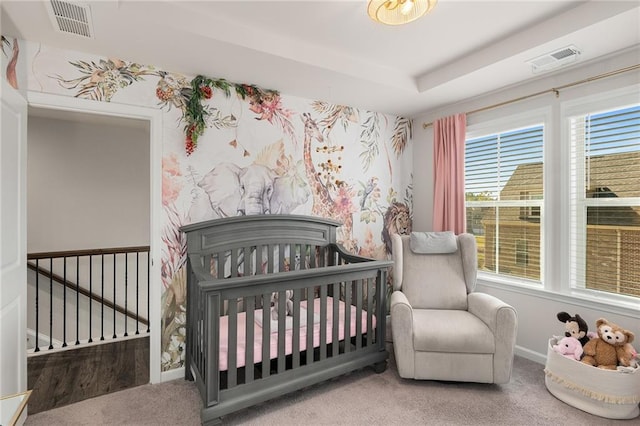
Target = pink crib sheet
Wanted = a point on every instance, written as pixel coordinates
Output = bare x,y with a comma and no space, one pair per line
257,343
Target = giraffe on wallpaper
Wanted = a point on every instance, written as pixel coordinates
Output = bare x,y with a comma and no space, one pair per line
323,203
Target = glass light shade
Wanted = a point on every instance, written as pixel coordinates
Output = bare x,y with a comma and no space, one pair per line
398,12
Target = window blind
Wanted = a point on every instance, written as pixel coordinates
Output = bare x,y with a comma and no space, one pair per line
504,196
605,201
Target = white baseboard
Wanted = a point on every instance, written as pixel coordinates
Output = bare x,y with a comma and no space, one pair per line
176,373
530,355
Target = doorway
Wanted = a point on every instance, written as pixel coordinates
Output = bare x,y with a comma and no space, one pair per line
112,155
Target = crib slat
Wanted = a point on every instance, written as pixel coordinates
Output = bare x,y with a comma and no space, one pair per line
282,322
232,371
234,262
347,316
250,303
323,321
211,366
206,263
310,309
313,255
336,321
259,256
270,254
292,256
247,261
304,249
281,248
295,343
369,312
221,258
199,330
266,335
381,288
358,318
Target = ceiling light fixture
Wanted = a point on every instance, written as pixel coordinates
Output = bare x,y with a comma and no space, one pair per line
398,12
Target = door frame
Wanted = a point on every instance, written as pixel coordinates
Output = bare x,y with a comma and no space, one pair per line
13,249
154,117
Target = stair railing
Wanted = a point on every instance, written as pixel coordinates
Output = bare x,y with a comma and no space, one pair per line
89,287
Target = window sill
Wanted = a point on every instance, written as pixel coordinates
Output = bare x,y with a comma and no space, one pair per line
614,304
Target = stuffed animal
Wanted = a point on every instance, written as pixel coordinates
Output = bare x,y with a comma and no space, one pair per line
607,351
630,356
574,327
569,347
288,307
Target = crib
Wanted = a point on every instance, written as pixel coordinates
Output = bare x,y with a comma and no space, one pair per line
275,305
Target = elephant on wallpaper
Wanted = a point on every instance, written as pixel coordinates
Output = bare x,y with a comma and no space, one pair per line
256,189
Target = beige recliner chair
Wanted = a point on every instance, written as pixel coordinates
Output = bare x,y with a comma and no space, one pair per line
441,328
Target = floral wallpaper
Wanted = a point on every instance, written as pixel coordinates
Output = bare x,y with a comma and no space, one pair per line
235,148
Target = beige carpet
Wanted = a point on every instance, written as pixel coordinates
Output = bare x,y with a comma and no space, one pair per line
360,398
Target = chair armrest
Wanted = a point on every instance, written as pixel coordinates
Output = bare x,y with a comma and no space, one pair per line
490,309
398,297
502,319
396,246
402,332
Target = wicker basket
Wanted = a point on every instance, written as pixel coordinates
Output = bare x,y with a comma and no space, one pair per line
605,393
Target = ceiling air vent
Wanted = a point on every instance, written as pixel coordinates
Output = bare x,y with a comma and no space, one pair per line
553,60
71,18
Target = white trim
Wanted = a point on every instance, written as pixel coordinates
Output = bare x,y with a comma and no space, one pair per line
531,355
154,116
509,123
623,305
592,104
175,374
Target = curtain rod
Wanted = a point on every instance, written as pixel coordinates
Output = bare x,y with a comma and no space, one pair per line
555,90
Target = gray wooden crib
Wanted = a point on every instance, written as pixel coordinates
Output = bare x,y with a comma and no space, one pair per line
275,305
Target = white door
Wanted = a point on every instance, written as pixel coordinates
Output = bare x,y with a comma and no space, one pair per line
13,242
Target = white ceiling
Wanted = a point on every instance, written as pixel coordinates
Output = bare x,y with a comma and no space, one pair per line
331,50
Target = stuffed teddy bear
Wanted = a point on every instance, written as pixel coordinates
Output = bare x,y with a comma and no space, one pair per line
575,327
569,347
288,307
630,356
607,351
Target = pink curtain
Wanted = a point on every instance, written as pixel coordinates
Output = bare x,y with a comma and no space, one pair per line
448,170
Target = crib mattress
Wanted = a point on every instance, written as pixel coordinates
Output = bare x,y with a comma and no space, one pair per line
257,332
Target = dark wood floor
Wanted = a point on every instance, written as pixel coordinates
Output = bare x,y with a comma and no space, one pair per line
65,377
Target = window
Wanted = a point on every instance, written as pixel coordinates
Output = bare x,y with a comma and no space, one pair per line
504,196
605,199
553,196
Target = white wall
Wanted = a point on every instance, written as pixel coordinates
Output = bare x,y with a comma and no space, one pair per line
537,309
88,184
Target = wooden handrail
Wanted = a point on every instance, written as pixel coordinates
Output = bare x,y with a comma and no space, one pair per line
72,286
87,252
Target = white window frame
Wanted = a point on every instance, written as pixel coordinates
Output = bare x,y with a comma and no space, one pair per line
611,100
533,117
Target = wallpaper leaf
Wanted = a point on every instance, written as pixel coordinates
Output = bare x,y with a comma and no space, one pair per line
334,113
369,140
271,155
102,79
401,134
4,42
